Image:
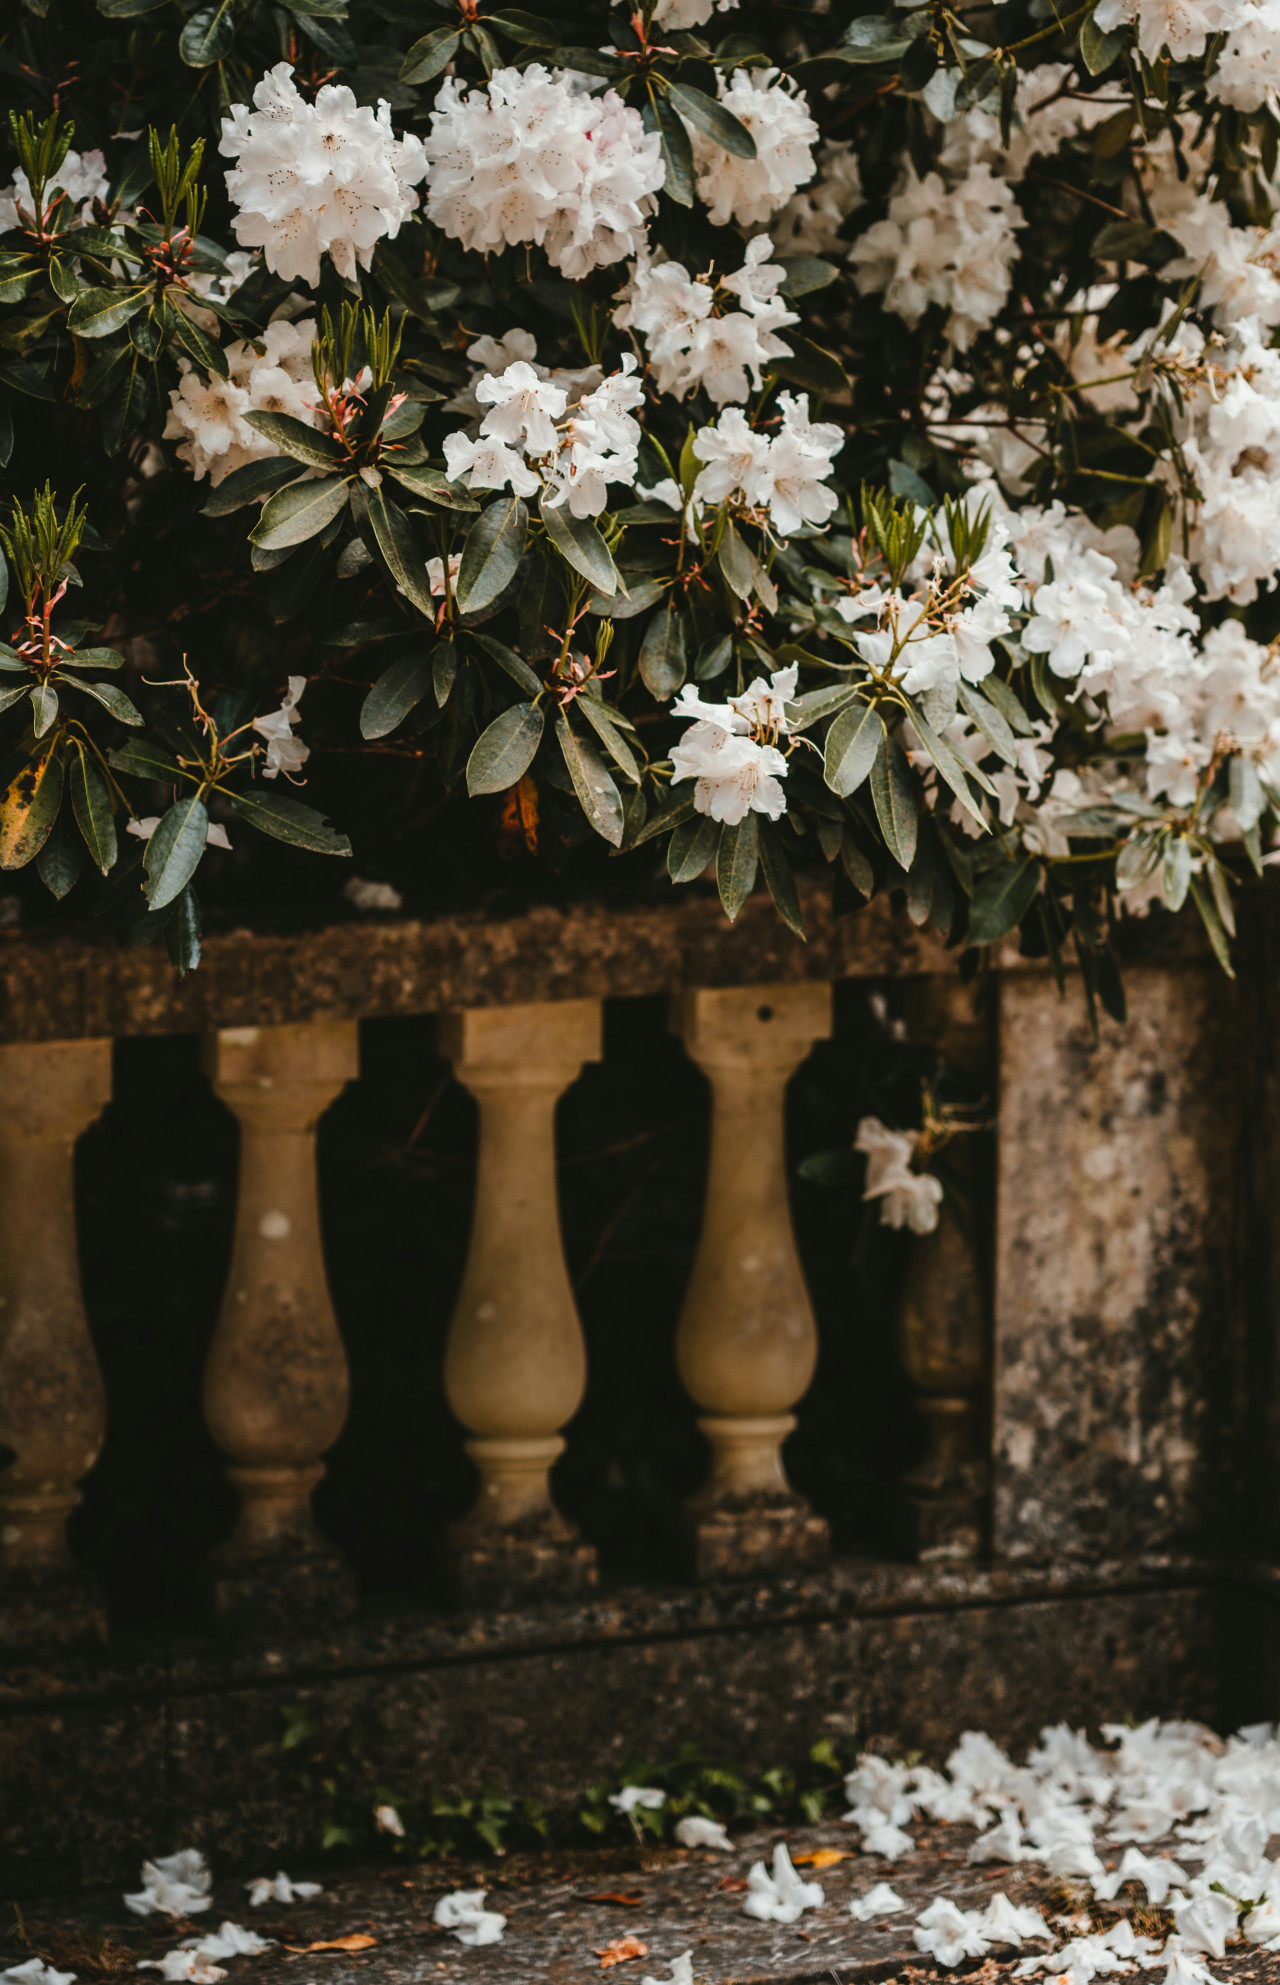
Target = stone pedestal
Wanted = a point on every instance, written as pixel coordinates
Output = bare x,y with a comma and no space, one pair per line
747,1343
275,1387
516,1365
52,1403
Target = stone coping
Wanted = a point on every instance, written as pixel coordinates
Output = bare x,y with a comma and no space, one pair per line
397,1635
59,984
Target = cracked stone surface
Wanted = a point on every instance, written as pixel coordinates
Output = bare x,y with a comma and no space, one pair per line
563,1909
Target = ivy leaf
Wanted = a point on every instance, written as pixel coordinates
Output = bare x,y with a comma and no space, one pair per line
663,661
295,438
1002,899
30,807
579,542
288,820
299,512
91,804
398,690
712,119
737,862
851,746
503,753
894,797
492,552
205,39
597,795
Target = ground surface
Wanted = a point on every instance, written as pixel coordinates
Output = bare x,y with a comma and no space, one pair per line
564,1910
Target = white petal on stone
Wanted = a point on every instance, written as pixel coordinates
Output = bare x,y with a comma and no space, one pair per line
878,1901
698,1831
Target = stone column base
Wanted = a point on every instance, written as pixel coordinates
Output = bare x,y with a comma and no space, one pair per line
537,1557
742,1537
943,1528
43,1610
275,1594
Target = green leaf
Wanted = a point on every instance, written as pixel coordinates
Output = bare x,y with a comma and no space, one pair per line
428,57
893,795
205,39
398,690
444,669
669,816
182,932
1099,50
712,119
597,795
198,343
579,542
1209,917
663,660
989,721
602,723
331,37
299,512
91,803
977,82
111,698
432,484
736,563
295,438
736,864
856,866
125,10
641,594
805,273
780,878
851,746
491,554
401,552
246,484
803,712
525,27
288,820
810,366
677,152
515,665
145,762
952,765
1002,899
503,753
691,847
1006,702
29,807
44,707
60,863
174,850
97,312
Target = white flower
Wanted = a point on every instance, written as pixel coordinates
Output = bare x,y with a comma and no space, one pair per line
736,457
785,472
328,178
173,1885
36,1972
775,111
726,751
910,1199
435,574
185,1964
688,13
385,1818
577,455
80,179
1002,1923
810,222
648,1797
878,1901
780,1897
949,1934
1248,71
206,416
229,1940
534,157
372,896
953,247
1183,1969
697,1831
681,1971
1181,26
1205,1921
1157,1875
265,1888
464,1913
525,408
693,339
216,837
285,752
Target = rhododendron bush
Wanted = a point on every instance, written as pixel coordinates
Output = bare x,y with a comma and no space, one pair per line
790,442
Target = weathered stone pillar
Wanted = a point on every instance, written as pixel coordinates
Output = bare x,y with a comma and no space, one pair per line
275,1386
52,1403
747,1343
1115,1392
942,1324
516,1366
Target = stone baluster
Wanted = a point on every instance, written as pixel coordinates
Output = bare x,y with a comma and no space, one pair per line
942,1324
52,1403
515,1365
275,1385
747,1343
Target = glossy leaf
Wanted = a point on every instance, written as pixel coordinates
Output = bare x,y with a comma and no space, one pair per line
288,820
691,847
174,850
663,659
295,438
91,804
492,552
737,862
29,807
111,698
504,752
677,152
398,543
430,56
246,484
299,512
597,795
44,707
398,690
579,542
780,878
851,746
432,484
208,35
893,795
1002,899
96,313
712,119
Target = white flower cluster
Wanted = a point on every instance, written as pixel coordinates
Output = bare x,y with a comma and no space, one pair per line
1233,449
463,1912
776,113
271,375
328,178
811,221
688,13
576,452
780,1896
81,179
1248,71
1047,111
695,338
731,750
907,1198
784,473
536,158
954,246
1181,26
